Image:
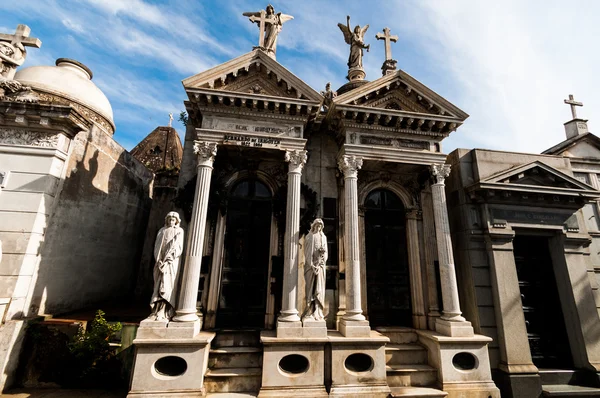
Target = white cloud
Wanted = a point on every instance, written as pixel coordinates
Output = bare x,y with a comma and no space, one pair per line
513,63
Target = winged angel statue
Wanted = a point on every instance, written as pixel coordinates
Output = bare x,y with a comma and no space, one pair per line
356,40
273,25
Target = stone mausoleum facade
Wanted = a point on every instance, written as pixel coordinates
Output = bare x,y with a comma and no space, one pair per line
461,275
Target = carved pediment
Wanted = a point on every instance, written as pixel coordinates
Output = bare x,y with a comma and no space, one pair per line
253,73
537,174
400,91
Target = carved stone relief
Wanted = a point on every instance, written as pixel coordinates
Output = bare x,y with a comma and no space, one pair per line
31,138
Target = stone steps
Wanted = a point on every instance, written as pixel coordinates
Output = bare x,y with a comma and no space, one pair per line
233,380
417,392
399,335
411,375
234,364
403,354
566,390
235,357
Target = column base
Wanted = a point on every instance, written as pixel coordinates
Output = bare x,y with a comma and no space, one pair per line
289,329
167,330
355,328
453,328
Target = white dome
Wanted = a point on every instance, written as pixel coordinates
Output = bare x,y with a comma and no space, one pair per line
68,79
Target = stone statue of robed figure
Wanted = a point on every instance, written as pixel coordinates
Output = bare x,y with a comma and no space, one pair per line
315,257
167,251
355,38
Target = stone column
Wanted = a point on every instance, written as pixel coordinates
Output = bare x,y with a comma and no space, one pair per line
353,324
288,318
186,307
414,261
451,322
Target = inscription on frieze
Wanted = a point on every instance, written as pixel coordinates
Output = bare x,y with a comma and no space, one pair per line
249,141
393,142
289,131
535,217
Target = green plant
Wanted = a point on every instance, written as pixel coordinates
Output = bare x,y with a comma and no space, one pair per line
183,118
93,356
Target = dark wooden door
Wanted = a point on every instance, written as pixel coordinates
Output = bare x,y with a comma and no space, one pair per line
544,319
388,282
242,303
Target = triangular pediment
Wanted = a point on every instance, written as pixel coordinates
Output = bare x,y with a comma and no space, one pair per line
253,73
585,146
399,91
537,174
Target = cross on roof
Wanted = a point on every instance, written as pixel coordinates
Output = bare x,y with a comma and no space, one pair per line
261,25
387,38
571,101
21,38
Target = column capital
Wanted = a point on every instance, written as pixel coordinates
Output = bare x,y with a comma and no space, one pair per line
349,165
440,172
296,159
206,152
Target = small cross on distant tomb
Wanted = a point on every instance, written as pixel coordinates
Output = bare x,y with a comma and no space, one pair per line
571,101
387,37
21,37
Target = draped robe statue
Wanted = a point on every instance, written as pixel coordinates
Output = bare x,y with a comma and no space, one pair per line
315,257
356,40
167,251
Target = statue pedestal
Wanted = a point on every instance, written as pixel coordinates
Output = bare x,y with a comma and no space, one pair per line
293,366
314,329
356,74
169,360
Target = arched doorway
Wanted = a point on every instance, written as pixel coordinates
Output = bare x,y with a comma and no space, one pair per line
388,281
242,302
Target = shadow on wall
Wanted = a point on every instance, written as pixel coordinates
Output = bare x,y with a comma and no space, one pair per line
94,237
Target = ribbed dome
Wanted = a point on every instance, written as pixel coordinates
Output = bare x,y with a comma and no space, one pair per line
71,80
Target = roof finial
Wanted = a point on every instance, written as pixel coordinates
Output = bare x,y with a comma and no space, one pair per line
571,101
170,119
389,65
269,26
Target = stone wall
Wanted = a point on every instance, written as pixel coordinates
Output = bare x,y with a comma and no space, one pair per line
94,239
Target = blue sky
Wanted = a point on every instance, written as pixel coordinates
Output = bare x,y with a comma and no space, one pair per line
508,64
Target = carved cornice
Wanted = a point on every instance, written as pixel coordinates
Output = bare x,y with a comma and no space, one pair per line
206,152
296,159
349,165
30,138
440,172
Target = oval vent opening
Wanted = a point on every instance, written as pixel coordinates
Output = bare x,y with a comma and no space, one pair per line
170,366
294,364
464,361
359,363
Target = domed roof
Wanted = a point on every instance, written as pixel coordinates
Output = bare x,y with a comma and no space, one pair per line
71,80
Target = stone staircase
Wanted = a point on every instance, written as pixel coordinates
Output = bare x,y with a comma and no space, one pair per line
408,373
569,383
234,363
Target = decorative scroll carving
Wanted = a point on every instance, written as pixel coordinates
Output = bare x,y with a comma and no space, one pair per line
85,112
31,138
440,172
206,152
349,165
296,159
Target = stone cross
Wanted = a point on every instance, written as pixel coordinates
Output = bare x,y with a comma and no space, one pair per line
21,38
571,101
387,38
262,19
170,119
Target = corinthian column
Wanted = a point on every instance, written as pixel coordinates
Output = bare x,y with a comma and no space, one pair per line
186,308
451,321
353,324
289,311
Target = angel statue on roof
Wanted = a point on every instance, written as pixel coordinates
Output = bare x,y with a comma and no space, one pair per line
356,40
271,23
